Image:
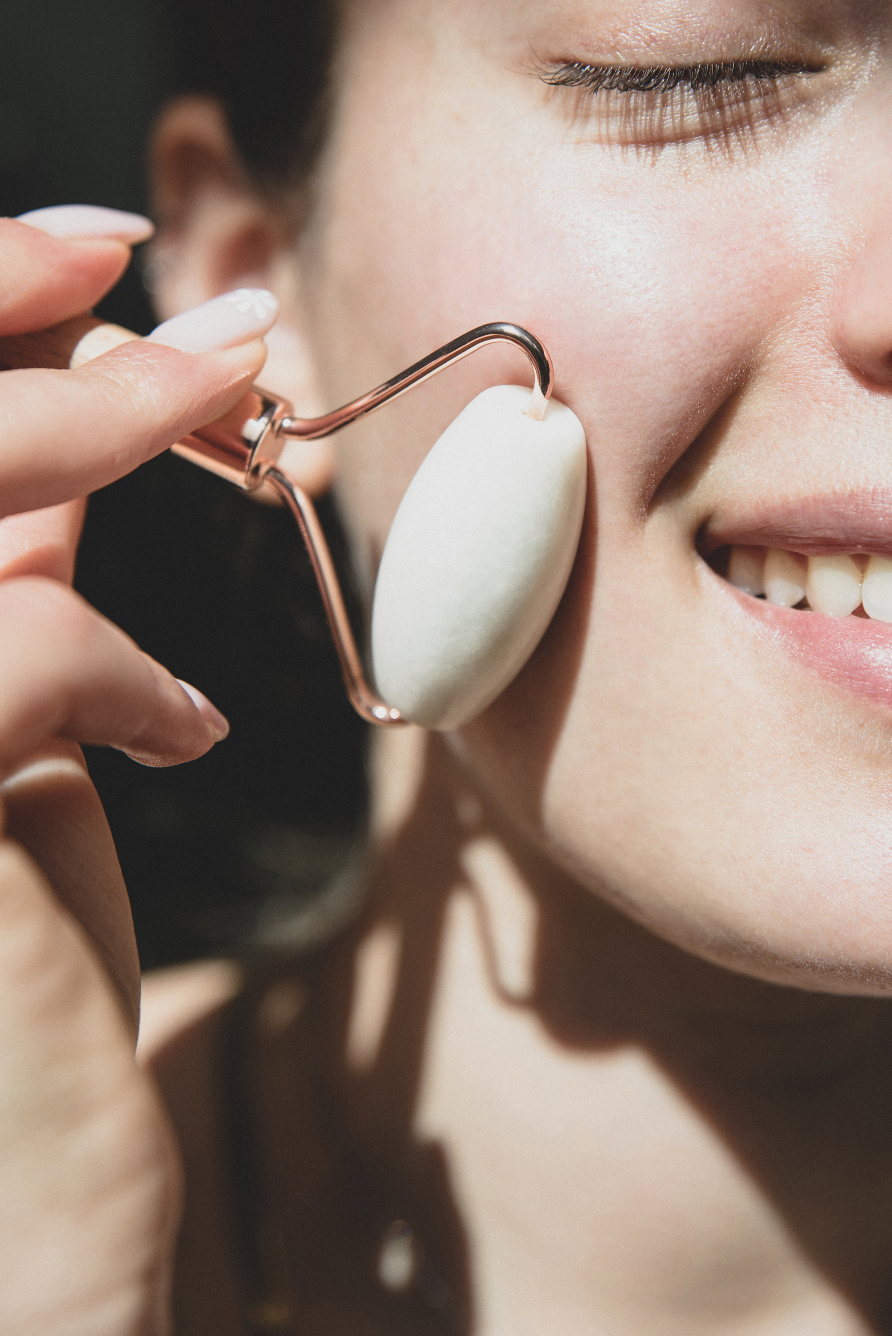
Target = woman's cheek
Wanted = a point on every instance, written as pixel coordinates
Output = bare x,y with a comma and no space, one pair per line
649,285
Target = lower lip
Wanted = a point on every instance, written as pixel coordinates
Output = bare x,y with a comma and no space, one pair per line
851,652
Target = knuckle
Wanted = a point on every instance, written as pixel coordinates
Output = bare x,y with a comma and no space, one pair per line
142,393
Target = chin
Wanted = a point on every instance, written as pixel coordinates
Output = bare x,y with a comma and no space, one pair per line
718,779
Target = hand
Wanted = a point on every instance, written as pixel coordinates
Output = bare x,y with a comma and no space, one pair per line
89,1176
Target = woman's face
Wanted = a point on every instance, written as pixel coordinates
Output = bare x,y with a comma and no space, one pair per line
711,270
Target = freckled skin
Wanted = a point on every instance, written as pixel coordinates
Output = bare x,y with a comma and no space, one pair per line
717,310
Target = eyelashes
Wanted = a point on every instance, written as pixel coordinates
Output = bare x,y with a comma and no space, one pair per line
660,104
763,74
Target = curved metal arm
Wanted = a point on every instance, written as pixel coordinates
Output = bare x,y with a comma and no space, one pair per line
310,429
243,447
247,456
364,701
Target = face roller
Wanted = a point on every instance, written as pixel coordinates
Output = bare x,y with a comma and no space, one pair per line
482,544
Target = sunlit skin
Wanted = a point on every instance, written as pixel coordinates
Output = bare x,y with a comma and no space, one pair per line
642,1130
614,1020
714,309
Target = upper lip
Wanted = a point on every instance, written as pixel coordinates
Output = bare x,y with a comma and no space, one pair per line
853,521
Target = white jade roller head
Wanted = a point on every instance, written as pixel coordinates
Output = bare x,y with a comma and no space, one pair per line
478,557
482,544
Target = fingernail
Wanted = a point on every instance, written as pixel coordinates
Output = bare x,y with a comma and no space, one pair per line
223,322
217,722
90,220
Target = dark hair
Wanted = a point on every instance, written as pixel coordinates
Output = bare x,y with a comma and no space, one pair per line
267,61
246,846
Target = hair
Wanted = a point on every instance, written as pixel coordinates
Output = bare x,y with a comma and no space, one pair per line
267,62
253,844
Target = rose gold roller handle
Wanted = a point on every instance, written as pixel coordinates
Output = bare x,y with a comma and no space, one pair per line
244,446
231,448
238,447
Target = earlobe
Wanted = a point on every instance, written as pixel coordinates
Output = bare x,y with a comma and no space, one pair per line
217,232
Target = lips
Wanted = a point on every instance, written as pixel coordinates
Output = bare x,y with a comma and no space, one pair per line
843,532
813,526
850,652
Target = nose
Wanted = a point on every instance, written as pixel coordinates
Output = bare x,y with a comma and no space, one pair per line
862,312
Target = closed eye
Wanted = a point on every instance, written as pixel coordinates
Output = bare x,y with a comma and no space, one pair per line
656,105
665,78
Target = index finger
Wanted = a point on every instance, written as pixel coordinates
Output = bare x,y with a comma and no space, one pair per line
66,433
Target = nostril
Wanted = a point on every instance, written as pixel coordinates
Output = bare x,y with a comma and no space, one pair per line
861,320
868,359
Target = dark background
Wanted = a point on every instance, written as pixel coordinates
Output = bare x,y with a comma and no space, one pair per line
233,850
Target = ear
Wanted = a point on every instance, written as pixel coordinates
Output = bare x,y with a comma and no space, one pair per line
216,231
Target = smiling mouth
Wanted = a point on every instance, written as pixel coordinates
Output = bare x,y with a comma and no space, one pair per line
832,612
837,585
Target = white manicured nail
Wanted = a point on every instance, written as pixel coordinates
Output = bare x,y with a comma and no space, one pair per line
784,578
217,722
223,322
833,585
746,569
876,591
89,220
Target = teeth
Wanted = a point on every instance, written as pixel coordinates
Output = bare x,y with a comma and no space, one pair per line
876,592
746,569
784,578
833,585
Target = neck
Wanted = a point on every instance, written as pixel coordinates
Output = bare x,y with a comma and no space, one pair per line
617,1123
